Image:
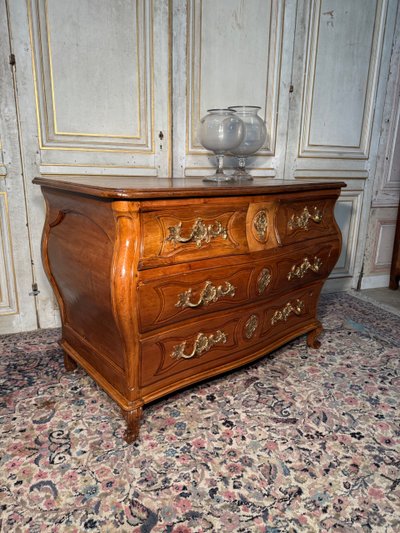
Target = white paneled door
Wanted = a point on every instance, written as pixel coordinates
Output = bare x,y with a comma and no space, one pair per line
92,92
342,55
17,300
231,52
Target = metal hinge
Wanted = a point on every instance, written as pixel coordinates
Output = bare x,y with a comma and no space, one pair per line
35,290
12,60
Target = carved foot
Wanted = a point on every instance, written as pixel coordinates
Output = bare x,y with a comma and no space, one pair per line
69,363
132,424
394,282
312,340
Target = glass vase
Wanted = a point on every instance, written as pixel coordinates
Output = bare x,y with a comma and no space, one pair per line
220,131
254,138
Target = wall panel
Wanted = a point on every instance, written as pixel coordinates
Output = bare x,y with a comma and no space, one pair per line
8,295
233,56
343,59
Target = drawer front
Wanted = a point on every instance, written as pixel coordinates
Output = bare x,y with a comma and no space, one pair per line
181,355
164,299
184,234
297,221
189,295
313,263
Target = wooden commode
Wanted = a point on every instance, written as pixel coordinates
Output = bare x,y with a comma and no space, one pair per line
162,283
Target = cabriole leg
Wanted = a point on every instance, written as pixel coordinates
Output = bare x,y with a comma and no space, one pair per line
312,340
69,363
132,424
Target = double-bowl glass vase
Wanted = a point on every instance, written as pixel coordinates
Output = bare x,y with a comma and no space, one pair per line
221,131
254,138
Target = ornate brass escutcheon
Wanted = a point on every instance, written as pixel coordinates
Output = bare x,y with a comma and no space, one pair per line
263,280
283,314
261,225
298,271
201,233
209,294
251,326
201,345
301,221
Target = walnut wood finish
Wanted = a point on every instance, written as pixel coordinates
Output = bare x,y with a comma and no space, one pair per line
162,283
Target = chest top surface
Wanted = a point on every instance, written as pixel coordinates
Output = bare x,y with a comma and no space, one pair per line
143,188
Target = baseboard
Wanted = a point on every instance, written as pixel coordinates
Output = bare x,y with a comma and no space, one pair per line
375,282
337,285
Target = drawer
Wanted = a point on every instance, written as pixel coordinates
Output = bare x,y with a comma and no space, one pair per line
167,298
314,262
187,295
300,220
184,354
188,233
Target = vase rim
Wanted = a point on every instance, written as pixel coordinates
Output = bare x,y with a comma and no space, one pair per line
234,107
221,109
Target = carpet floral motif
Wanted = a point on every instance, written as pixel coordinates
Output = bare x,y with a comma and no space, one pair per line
302,440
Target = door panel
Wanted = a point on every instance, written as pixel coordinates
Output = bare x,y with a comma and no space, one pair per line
17,305
335,111
92,84
339,94
92,97
236,53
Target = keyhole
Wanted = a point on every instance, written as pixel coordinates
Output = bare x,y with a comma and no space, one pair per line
161,136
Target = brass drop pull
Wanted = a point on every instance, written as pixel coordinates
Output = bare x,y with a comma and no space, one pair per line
263,280
301,221
209,294
298,271
200,233
201,345
297,308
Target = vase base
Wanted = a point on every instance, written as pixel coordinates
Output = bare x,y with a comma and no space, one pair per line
242,175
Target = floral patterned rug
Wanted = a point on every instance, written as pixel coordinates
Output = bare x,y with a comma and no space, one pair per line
302,440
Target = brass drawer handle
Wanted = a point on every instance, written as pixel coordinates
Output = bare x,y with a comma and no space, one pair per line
301,221
200,233
296,308
201,345
209,294
300,270
263,280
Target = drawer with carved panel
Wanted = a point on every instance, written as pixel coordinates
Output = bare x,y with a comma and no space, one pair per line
192,233
165,282
305,220
184,353
312,263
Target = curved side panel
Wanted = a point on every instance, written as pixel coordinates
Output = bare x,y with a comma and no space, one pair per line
123,290
77,247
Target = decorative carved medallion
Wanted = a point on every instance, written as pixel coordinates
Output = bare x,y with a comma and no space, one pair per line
260,225
283,314
209,294
263,280
301,221
201,345
251,326
298,271
200,233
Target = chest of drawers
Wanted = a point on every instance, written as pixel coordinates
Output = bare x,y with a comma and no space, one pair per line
163,283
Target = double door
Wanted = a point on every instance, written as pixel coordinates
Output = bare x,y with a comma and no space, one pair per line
118,88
